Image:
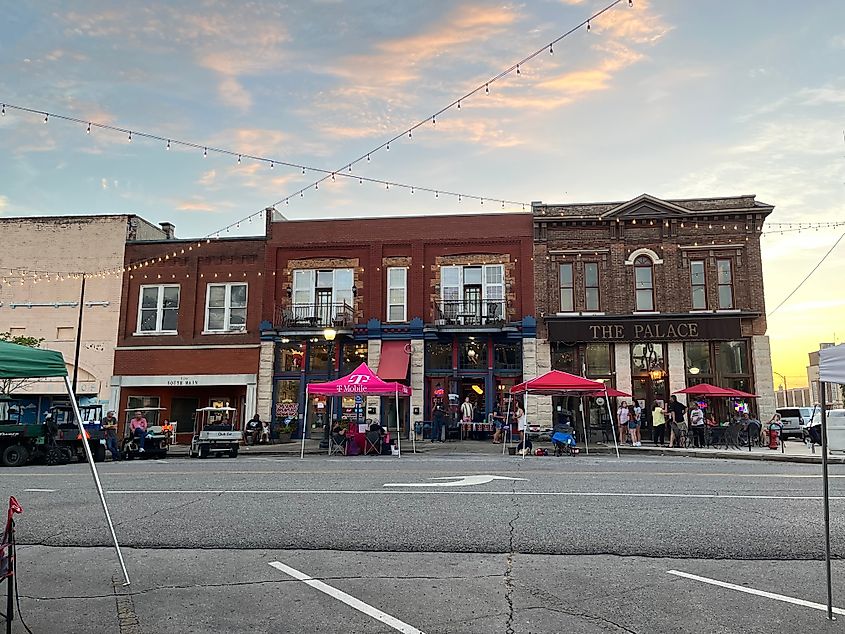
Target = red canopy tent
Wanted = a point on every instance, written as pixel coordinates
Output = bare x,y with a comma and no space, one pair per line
556,382
706,389
611,392
362,380
741,394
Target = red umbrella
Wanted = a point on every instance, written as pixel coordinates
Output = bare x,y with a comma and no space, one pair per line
741,394
705,389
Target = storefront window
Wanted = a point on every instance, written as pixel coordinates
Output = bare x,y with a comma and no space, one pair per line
507,356
287,400
598,359
697,356
354,354
438,355
565,358
473,355
289,357
647,358
733,358
318,358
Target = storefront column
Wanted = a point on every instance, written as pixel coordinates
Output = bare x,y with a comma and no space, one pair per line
622,363
677,366
764,383
250,401
417,380
373,358
114,402
536,360
264,391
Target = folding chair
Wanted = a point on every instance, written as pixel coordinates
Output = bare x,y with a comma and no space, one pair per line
372,443
337,446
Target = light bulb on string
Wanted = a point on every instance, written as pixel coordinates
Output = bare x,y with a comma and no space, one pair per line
205,152
487,88
332,176
551,49
630,3
459,104
168,145
303,170
433,120
239,159
3,113
436,195
460,199
130,137
368,160
88,131
272,165
588,25
517,70
46,117
409,134
412,190
349,167
388,147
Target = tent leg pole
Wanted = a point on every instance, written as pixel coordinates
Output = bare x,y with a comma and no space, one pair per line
825,482
524,431
584,414
398,432
612,426
96,476
508,425
414,436
302,431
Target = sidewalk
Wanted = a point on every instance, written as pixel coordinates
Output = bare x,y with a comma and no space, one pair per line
794,451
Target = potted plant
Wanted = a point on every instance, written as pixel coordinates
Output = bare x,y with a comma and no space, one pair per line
284,432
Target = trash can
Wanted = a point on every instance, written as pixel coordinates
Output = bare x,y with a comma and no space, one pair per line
836,431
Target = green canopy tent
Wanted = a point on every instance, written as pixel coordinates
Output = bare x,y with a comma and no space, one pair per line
22,362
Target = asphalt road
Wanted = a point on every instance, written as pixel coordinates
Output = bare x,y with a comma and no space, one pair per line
571,544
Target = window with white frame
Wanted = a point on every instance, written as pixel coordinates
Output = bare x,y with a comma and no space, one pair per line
397,294
225,307
158,309
321,292
474,291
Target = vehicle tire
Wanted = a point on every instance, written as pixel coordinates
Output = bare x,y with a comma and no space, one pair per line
204,451
233,452
99,453
14,456
53,457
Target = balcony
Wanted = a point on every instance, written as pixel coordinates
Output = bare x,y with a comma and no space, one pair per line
470,313
303,316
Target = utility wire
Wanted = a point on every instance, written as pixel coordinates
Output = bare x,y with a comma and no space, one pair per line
807,277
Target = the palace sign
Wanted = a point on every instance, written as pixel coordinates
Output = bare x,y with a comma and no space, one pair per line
674,328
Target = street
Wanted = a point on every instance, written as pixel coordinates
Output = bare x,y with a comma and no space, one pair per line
586,544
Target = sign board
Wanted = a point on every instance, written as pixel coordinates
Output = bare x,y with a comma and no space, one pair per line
359,399
287,409
645,329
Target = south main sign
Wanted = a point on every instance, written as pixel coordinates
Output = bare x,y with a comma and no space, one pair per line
680,328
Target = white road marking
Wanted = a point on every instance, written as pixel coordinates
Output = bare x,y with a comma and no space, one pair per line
456,481
39,490
707,496
759,593
349,600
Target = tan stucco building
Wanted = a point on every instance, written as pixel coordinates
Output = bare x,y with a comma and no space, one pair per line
47,308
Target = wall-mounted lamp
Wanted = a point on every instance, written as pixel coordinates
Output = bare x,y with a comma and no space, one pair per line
354,291
289,291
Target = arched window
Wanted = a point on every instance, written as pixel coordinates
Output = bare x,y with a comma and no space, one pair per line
644,283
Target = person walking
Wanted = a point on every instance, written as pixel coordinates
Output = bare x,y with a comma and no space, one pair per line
696,423
110,426
622,416
677,410
658,421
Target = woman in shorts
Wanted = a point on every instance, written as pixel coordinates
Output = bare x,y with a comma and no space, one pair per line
634,427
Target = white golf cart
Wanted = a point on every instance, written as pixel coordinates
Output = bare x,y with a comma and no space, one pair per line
215,432
158,437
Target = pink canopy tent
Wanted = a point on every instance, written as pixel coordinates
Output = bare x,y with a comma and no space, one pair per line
362,380
706,389
555,383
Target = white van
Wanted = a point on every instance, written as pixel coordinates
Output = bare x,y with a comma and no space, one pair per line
795,419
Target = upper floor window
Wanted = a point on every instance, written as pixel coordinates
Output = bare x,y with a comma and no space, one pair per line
698,284
591,286
158,310
225,307
473,293
397,294
726,283
644,283
313,287
567,289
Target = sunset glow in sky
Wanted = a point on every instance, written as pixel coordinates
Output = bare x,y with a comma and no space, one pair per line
676,99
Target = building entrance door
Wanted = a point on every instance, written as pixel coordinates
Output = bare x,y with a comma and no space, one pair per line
182,413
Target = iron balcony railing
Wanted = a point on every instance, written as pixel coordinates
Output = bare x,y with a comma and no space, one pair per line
314,316
458,312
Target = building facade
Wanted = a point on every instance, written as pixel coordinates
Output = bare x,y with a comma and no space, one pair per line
444,304
834,396
189,331
652,296
45,305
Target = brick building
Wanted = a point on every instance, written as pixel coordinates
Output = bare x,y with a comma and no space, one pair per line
48,308
442,303
653,295
188,334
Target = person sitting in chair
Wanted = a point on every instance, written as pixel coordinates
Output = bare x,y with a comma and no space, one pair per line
253,430
265,432
138,427
339,435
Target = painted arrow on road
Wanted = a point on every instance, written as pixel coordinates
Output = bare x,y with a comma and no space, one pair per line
456,481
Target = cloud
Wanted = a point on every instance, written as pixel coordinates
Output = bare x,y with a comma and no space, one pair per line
195,205
207,178
104,183
4,203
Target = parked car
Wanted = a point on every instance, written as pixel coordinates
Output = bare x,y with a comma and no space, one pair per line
795,419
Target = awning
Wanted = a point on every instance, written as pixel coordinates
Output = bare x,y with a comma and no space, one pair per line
393,363
23,362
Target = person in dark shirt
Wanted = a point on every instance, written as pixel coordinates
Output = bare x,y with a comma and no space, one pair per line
678,409
109,425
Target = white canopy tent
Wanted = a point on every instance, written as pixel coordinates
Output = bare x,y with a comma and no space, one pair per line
831,370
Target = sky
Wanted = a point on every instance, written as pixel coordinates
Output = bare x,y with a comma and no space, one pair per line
676,99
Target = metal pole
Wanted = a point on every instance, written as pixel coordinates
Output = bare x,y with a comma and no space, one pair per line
10,581
398,430
613,426
96,476
78,333
826,506
304,426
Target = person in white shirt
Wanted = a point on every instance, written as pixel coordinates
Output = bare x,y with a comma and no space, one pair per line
467,410
622,422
